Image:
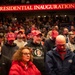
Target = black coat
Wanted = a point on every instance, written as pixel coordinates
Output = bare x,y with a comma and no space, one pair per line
5,59
38,60
49,44
5,64
8,50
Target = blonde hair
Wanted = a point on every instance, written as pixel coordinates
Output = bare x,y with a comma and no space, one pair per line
18,54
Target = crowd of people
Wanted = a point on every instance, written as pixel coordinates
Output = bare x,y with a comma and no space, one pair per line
37,46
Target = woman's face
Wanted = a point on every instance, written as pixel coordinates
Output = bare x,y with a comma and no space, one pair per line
26,55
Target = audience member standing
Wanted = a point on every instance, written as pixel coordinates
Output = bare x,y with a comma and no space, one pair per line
19,41
65,32
22,63
7,51
60,60
4,61
37,50
71,44
9,47
49,44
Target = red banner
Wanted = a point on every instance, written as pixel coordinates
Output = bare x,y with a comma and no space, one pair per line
68,6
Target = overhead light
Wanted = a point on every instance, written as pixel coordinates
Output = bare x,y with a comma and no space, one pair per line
65,15
38,16
56,15
44,16
15,18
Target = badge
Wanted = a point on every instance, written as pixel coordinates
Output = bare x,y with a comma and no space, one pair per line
38,52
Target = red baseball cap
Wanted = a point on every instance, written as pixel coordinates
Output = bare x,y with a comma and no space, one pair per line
36,32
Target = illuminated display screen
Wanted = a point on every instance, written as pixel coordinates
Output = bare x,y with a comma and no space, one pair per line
38,7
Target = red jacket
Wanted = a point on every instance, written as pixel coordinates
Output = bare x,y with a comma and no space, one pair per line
18,68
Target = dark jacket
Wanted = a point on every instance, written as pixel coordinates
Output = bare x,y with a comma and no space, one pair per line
7,53
4,65
56,66
38,56
8,50
49,44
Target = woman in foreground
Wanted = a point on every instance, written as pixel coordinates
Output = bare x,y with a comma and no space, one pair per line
22,63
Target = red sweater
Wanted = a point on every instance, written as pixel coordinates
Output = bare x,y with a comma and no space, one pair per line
18,68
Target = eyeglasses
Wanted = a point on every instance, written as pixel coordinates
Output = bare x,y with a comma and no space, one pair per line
61,45
26,54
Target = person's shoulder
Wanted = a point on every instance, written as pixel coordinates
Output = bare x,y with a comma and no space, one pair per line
69,52
31,64
15,69
28,42
15,65
50,52
47,40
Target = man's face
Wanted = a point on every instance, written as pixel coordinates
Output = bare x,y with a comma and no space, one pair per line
20,36
72,39
10,42
37,39
65,32
61,46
